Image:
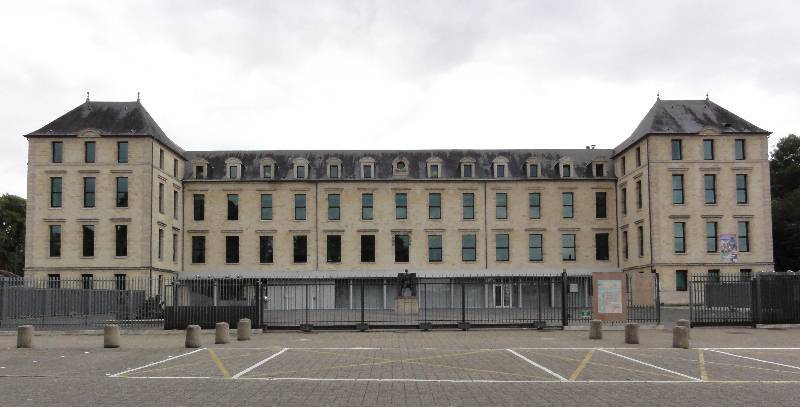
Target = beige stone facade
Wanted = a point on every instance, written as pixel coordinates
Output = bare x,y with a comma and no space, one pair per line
621,218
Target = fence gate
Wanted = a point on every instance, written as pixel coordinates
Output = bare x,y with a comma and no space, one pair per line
205,302
720,299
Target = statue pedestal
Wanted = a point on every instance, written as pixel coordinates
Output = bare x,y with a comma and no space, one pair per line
406,305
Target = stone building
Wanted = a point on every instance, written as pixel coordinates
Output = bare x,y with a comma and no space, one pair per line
110,196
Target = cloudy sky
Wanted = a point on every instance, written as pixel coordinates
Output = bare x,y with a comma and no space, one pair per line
394,74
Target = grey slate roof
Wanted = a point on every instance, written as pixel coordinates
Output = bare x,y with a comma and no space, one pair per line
109,119
687,117
417,159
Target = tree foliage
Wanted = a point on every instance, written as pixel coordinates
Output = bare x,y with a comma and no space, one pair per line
785,178
12,233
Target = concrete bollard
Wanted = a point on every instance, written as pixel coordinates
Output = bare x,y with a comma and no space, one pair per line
223,333
193,336
25,336
243,330
111,336
680,337
687,324
596,329
632,333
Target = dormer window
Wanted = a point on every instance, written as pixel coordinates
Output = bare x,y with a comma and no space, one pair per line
467,167
434,166
200,166
233,168
268,168
566,171
434,170
300,172
400,167
532,167
564,167
334,166
367,167
599,170
300,168
500,167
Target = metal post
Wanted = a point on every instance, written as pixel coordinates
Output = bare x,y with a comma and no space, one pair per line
463,325
754,301
564,311
362,326
658,300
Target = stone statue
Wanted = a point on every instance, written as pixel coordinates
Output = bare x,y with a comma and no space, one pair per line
406,284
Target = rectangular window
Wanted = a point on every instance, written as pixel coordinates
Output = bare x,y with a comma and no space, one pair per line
500,170
54,281
681,280
160,198
566,171
711,237
467,170
468,205
161,159
739,146
122,192
299,206
57,152
401,245
534,205
625,244
333,171
710,188
435,248
334,248
366,206
122,152
640,237
638,156
334,210
199,171
366,170
174,247
120,282
533,170
744,236
265,250
535,247
401,205
231,249
301,171
233,207
199,209
745,274
741,188
468,247
267,171
568,247
88,240
175,167
87,281
623,197
89,149
434,170
233,172
639,194
434,205
622,165
55,192
677,153
599,170
55,240
121,239
567,209
713,276
367,248
708,149
266,206
198,249
600,205
677,189
300,249
501,248
679,237
160,244
175,204
501,205
601,246
88,192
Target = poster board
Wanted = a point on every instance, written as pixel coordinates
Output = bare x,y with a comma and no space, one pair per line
729,253
610,299
642,288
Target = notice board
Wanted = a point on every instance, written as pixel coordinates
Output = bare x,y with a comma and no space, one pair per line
610,299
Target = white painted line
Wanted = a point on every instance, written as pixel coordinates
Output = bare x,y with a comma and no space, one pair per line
754,359
651,365
336,348
167,377
753,348
156,363
245,371
554,374
324,379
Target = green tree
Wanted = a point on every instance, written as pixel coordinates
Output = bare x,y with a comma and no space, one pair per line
12,233
785,177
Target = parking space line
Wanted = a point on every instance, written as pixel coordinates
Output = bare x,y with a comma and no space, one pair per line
554,374
220,365
156,363
245,371
650,365
754,359
582,366
702,361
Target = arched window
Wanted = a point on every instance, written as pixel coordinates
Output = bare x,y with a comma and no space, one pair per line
300,168
500,167
333,167
434,167
267,168
233,168
532,167
467,167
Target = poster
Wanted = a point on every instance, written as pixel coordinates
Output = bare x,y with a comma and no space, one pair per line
609,296
727,248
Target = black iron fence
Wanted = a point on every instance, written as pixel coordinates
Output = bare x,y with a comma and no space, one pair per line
744,299
521,301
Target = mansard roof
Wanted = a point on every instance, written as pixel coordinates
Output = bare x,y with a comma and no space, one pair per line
108,119
687,117
417,159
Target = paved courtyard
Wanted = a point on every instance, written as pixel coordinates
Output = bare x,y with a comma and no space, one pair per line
478,367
